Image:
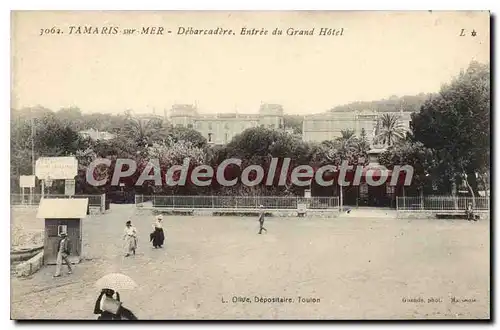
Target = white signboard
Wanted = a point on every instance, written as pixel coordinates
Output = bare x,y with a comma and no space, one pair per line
301,209
27,181
56,168
69,187
307,193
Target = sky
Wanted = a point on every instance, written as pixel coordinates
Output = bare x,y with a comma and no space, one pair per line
379,54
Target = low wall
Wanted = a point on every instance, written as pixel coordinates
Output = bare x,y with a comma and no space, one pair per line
416,215
433,214
30,266
331,213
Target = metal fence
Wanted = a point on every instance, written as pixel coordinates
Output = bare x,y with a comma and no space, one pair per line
237,202
441,203
95,201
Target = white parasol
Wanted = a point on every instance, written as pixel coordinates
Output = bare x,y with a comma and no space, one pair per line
116,282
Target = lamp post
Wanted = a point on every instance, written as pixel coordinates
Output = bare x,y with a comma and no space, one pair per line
32,120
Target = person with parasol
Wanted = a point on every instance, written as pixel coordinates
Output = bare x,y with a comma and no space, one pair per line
108,304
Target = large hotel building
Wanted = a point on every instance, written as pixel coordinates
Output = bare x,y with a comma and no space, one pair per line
222,127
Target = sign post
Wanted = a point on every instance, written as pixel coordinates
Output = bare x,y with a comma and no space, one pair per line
49,183
307,193
69,187
48,169
43,188
27,181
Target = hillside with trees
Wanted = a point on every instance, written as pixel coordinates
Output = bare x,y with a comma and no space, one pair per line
409,103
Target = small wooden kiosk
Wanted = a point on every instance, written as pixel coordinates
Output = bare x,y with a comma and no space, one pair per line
63,216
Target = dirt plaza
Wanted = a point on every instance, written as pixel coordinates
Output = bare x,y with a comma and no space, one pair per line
303,268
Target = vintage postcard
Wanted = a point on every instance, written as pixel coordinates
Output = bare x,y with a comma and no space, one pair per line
293,165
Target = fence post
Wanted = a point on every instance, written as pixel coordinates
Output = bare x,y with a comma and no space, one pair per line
103,203
421,198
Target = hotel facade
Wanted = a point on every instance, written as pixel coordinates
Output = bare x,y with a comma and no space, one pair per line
329,125
220,128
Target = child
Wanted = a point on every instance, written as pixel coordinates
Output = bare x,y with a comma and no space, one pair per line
470,213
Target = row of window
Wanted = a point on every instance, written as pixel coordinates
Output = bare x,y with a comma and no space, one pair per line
326,124
210,138
226,126
351,124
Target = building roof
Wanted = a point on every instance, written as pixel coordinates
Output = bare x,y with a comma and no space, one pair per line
59,208
376,151
97,135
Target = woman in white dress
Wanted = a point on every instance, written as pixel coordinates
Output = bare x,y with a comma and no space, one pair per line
130,237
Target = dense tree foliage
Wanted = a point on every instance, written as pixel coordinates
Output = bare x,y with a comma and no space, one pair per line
294,122
422,159
457,125
448,142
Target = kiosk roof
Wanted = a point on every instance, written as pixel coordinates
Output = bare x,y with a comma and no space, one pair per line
59,208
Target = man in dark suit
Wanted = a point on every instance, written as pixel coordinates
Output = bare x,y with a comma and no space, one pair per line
63,251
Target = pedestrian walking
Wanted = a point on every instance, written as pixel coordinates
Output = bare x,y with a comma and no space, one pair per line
157,237
63,251
130,237
261,219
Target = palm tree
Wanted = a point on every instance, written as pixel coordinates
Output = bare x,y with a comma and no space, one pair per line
143,131
389,129
347,134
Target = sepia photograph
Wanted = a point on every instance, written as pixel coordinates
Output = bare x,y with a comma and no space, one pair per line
250,165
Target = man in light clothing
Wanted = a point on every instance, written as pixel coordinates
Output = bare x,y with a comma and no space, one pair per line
63,251
261,219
